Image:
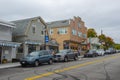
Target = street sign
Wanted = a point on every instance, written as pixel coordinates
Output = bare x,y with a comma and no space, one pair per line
46,39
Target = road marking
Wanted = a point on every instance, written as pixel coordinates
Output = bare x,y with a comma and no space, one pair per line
70,68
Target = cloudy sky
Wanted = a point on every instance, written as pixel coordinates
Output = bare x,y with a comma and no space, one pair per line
98,14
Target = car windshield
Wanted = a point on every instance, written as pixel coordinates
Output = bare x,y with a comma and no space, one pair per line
33,54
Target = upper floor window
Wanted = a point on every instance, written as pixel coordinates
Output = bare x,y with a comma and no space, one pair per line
62,30
79,25
79,34
74,32
51,31
84,36
33,28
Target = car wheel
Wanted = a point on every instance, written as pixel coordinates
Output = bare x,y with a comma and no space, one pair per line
50,61
65,59
75,58
36,63
23,65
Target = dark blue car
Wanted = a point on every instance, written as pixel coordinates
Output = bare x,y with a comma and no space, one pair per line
37,57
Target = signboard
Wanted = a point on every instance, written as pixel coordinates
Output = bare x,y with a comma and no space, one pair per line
46,39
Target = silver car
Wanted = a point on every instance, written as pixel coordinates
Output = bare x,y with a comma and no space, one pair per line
65,55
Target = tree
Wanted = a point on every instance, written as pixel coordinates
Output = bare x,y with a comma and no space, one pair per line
91,33
108,41
117,46
102,38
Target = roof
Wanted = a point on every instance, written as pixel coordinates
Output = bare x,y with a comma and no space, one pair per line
7,24
21,25
58,23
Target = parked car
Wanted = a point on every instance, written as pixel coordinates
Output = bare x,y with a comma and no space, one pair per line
65,55
37,57
110,51
100,52
91,53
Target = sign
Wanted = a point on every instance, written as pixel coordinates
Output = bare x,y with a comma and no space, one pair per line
46,39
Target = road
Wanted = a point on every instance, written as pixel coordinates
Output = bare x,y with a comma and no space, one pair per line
99,68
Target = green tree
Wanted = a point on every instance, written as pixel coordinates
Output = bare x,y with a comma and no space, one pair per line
102,38
109,42
117,46
91,33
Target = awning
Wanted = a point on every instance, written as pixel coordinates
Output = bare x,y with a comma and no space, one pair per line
52,43
9,44
33,42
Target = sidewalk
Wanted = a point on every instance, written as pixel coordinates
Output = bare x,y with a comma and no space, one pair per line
9,65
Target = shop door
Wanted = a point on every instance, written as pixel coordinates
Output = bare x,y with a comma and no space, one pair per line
0,53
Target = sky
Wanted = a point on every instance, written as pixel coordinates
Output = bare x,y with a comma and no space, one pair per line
98,14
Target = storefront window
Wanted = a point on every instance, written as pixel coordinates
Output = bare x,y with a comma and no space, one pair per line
20,49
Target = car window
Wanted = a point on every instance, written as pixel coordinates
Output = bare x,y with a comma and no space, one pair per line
34,54
45,52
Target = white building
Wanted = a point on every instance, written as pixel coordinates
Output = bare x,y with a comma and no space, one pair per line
93,43
7,47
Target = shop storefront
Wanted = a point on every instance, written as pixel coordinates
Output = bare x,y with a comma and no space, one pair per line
8,51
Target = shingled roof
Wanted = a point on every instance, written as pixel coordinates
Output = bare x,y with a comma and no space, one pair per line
58,23
21,25
7,24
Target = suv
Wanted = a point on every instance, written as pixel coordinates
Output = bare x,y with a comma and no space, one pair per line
37,57
65,55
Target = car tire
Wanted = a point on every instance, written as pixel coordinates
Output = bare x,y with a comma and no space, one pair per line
75,58
50,61
36,64
65,59
23,65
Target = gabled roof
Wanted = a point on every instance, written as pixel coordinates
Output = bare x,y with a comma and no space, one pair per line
7,24
21,25
58,23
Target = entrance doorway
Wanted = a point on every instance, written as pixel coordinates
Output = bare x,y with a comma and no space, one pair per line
0,54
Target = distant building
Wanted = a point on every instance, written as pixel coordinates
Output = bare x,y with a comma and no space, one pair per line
93,43
70,33
31,32
7,47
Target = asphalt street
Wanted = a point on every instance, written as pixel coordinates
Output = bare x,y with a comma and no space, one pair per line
99,68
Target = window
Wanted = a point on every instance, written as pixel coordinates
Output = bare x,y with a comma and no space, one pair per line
79,25
84,36
20,49
42,32
62,30
79,34
51,31
33,27
74,32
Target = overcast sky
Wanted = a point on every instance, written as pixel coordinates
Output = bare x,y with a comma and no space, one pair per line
97,14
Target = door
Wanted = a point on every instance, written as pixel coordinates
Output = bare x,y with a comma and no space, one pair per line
0,53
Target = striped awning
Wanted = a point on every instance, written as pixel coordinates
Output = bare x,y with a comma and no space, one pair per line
9,44
32,42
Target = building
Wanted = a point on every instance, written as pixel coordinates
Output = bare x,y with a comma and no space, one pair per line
7,47
32,33
70,33
93,43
